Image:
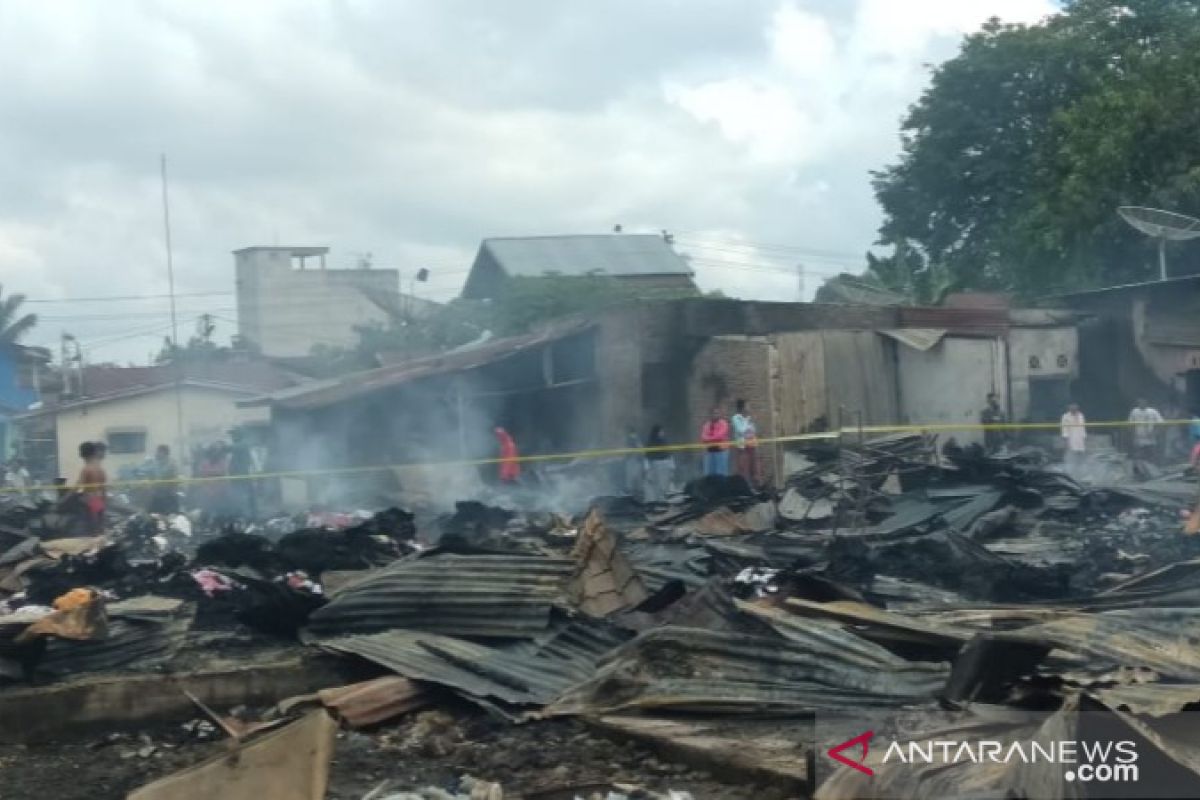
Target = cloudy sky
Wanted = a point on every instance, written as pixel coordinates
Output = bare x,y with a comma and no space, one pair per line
410,130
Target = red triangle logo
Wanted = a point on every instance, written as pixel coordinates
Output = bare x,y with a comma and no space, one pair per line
863,739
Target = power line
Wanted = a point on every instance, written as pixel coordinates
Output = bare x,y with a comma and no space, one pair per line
134,297
771,268
125,297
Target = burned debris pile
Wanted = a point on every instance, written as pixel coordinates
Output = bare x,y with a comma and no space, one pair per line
894,578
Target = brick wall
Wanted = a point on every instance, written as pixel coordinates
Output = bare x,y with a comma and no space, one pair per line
725,369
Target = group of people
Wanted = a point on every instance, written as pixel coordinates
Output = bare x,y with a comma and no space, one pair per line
1148,433
738,433
223,460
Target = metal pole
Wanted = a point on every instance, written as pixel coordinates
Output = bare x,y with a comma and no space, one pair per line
859,482
1162,259
174,319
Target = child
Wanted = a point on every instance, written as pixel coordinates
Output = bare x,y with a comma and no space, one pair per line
92,485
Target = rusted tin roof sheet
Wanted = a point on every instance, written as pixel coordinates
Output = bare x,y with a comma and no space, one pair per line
489,596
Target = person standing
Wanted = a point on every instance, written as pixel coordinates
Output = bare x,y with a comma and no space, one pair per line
714,435
1146,420
991,415
745,442
16,478
510,467
164,496
1074,434
93,485
660,467
241,469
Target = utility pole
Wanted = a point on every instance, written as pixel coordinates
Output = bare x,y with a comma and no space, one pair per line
174,319
802,287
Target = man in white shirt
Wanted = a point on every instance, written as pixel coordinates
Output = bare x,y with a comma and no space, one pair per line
1146,422
1074,434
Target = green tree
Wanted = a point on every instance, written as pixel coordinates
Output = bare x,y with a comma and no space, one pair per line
14,325
200,346
1016,157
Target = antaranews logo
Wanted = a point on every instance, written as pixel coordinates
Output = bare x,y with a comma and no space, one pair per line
1084,761
862,740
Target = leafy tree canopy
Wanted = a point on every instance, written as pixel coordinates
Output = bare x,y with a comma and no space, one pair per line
1016,158
14,325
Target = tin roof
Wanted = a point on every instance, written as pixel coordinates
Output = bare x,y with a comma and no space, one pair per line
607,254
317,394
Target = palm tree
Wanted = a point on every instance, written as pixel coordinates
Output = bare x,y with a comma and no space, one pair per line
13,324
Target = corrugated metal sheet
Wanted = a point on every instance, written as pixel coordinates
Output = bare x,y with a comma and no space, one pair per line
1166,640
328,392
956,320
917,338
374,701
612,255
693,669
486,596
140,643
860,376
657,563
524,674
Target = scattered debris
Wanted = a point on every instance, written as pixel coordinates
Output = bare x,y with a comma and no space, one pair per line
289,764
892,576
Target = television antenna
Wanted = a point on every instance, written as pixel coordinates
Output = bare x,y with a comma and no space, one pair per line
1162,225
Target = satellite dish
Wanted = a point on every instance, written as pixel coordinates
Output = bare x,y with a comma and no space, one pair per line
1161,225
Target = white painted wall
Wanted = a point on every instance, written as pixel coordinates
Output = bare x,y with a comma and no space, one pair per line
286,310
949,383
208,415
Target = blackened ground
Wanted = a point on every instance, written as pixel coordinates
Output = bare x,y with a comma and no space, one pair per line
545,760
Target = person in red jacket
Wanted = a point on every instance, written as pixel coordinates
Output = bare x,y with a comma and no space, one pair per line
510,468
715,435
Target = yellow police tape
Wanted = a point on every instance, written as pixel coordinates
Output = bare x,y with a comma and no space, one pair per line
598,453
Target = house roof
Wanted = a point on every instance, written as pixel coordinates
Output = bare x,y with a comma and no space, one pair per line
301,250
606,254
317,394
136,391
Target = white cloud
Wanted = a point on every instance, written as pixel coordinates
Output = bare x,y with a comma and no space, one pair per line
413,130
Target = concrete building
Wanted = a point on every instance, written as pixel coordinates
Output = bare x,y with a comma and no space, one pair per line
135,409
645,261
581,383
289,302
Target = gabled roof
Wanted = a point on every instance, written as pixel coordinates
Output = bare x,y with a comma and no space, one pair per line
138,391
613,255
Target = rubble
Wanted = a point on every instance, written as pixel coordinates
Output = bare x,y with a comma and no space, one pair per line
893,576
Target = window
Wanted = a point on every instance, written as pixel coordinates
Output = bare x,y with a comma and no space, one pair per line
126,442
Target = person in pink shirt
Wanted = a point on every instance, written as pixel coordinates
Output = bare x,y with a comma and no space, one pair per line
714,434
